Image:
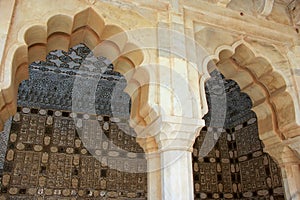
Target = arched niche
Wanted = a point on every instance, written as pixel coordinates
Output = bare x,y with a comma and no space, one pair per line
268,89
60,32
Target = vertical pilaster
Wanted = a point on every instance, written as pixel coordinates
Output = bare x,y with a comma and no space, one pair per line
179,108
6,10
287,159
291,169
168,147
291,181
153,167
175,143
177,175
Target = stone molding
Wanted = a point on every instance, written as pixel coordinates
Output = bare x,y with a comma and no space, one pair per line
294,144
223,3
170,133
245,25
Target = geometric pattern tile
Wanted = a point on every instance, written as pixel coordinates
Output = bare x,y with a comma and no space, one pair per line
54,153
3,143
236,167
46,158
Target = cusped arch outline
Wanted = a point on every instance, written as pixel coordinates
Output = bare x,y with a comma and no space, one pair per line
62,32
268,89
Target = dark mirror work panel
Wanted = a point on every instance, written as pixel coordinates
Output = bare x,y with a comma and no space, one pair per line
47,158
77,81
228,161
61,148
70,138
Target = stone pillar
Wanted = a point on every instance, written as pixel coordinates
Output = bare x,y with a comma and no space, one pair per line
173,159
291,168
286,156
291,181
154,184
177,175
176,98
7,9
153,167
175,142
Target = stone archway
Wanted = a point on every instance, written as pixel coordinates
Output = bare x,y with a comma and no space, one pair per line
272,102
265,86
228,169
45,101
36,33
57,26
63,31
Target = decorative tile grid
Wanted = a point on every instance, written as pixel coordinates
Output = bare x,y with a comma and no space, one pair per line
51,82
51,86
3,142
3,146
236,167
46,158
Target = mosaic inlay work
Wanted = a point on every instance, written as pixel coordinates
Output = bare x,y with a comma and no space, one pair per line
75,80
3,143
46,158
227,105
55,154
236,167
90,153
51,83
228,157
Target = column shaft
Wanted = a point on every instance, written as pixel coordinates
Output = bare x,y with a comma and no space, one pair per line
291,180
153,176
177,175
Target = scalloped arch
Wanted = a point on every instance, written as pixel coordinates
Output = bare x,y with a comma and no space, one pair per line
267,88
63,31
